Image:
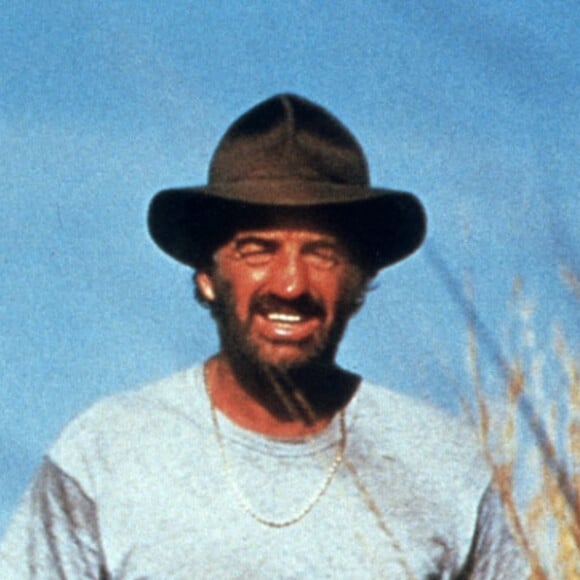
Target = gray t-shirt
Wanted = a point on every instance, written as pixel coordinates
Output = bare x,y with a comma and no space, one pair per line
136,488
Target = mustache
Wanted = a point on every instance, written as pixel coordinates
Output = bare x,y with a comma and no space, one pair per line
305,305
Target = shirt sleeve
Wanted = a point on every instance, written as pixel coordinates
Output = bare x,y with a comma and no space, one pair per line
54,533
494,554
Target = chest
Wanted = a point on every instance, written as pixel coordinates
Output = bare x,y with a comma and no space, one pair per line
180,517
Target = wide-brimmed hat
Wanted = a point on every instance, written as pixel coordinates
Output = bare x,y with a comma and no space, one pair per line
287,155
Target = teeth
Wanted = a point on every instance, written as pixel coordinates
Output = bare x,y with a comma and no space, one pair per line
280,317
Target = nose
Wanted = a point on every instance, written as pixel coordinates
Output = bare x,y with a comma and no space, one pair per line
289,277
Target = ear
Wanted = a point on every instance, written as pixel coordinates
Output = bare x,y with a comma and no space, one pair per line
205,285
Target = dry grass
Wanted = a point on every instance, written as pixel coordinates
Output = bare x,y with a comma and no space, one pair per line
533,444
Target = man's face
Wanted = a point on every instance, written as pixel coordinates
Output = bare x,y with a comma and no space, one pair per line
282,296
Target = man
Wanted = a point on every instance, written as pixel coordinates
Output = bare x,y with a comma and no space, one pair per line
269,461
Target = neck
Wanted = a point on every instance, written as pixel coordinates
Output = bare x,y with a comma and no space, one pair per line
287,405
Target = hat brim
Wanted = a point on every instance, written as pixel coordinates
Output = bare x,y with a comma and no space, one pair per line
387,225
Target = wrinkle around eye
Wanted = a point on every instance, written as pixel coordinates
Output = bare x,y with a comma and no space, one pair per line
253,252
255,258
252,243
322,262
326,256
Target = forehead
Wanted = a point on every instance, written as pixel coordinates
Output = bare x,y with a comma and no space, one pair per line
286,225
283,233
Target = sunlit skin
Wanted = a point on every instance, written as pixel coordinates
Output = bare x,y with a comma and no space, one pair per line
286,284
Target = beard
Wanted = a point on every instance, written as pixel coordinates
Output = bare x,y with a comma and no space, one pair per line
307,384
243,350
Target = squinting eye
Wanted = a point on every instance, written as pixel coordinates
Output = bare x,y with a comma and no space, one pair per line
254,254
324,257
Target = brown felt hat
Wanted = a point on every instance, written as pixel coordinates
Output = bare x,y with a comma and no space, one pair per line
287,155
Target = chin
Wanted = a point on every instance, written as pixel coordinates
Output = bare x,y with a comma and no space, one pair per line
287,358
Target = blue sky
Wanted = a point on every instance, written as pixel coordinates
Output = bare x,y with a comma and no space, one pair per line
472,106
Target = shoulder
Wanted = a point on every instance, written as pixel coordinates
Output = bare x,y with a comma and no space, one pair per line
394,410
426,438
171,394
123,422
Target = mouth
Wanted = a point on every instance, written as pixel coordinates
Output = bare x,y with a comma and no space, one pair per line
288,324
284,318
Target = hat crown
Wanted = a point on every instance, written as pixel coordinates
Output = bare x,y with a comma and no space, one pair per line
288,156
288,138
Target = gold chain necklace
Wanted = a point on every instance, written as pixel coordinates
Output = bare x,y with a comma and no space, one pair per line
238,492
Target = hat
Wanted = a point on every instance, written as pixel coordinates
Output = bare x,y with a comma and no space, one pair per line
287,155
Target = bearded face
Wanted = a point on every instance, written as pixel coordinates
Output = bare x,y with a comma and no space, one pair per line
282,297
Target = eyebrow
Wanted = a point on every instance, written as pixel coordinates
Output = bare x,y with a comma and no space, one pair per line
253,239
259,236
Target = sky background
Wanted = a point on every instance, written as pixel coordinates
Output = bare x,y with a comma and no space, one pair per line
473,106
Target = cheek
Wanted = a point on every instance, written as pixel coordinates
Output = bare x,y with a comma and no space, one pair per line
336,288
242,291
350,291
